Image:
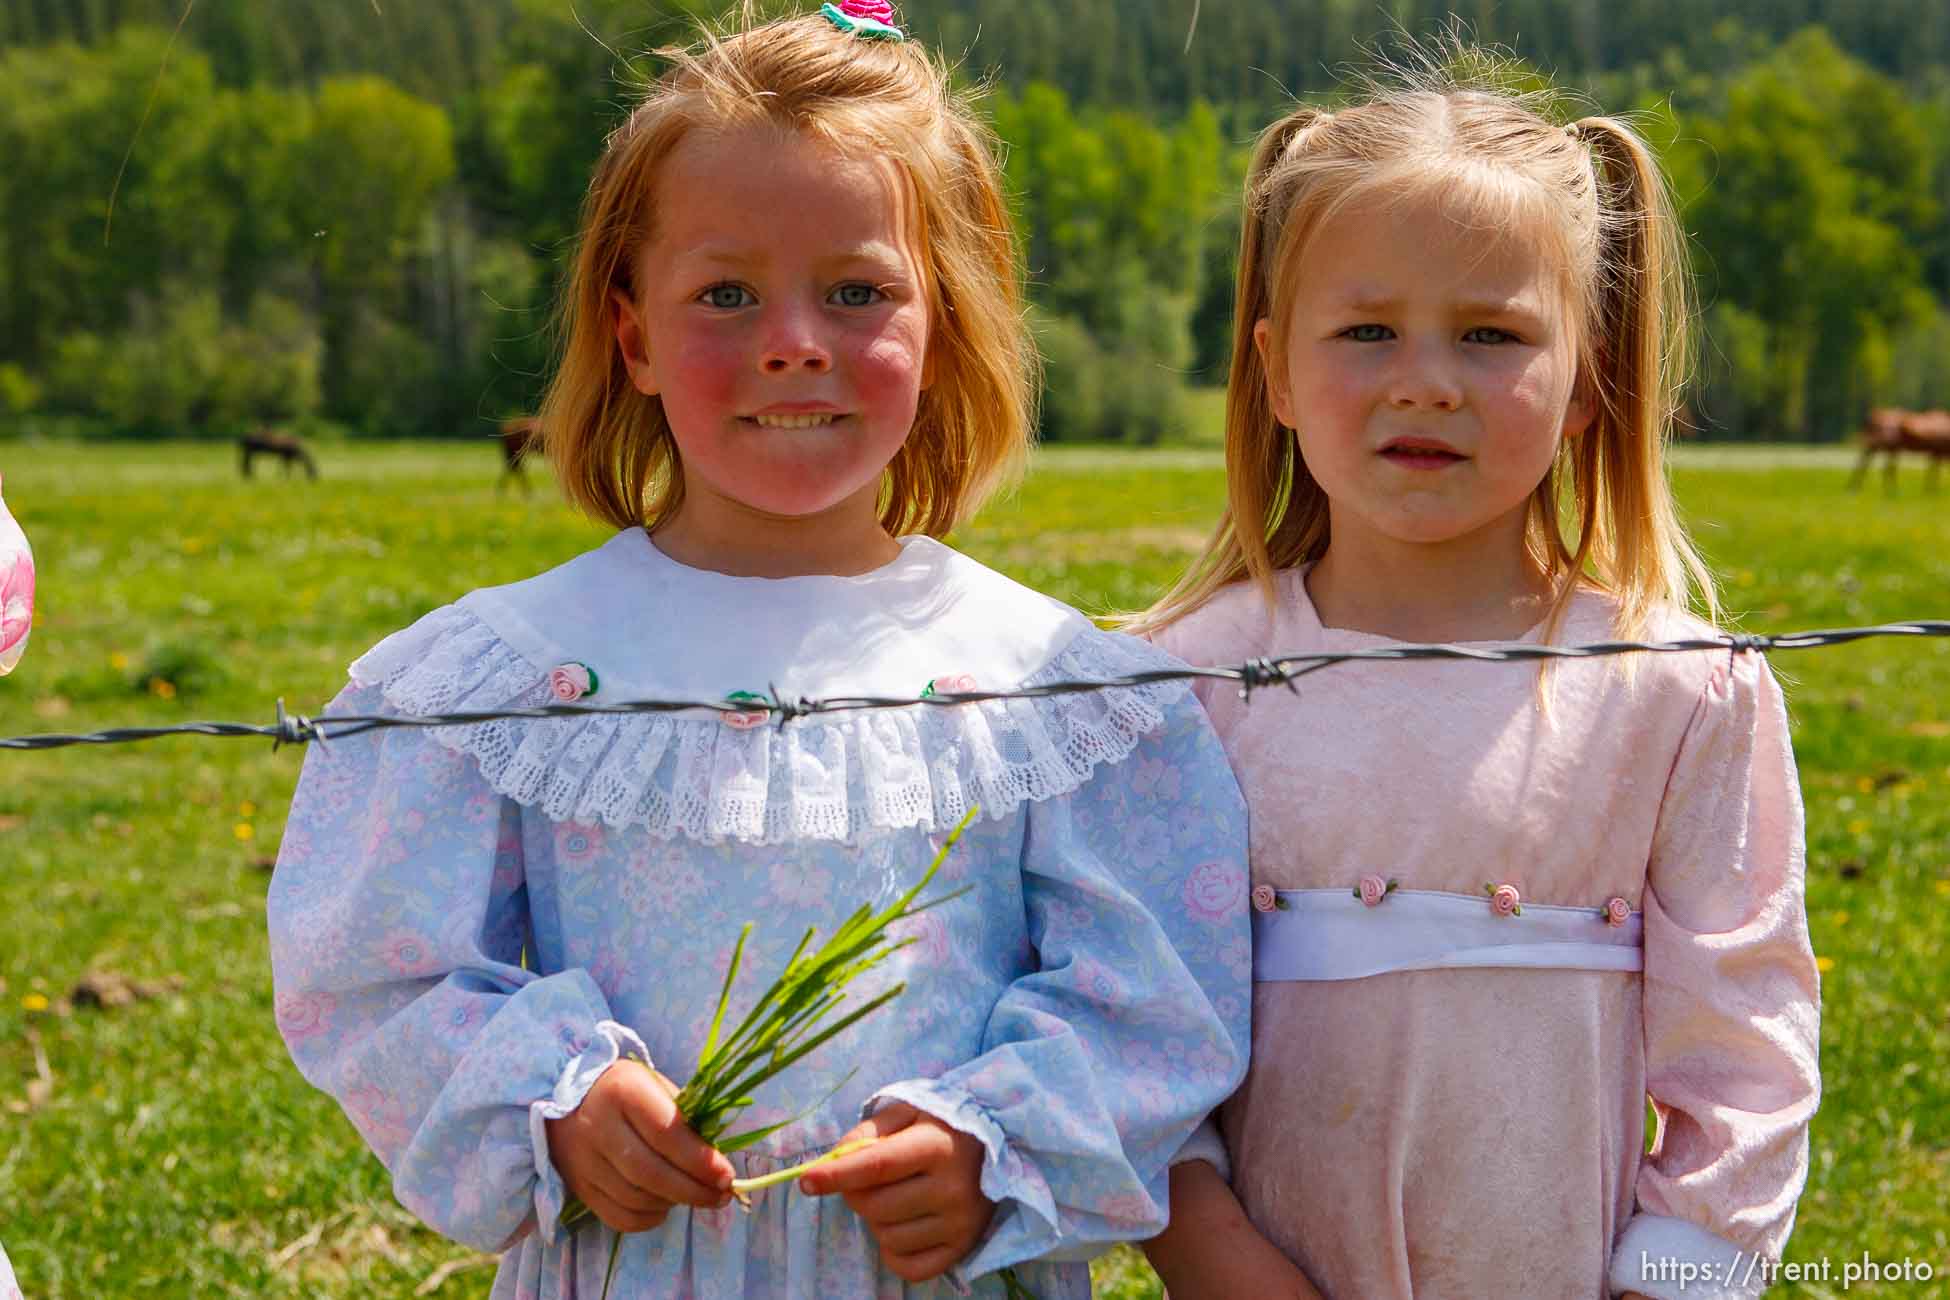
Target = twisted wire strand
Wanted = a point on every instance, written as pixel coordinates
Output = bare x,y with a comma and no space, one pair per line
1256,674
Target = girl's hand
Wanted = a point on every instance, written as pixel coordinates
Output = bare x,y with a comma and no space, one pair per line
1211,1248
919,1188
629,1156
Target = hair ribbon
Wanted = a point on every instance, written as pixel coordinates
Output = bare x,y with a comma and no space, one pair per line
871,20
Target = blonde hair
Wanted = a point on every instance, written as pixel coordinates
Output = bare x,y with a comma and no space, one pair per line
611,445
1593,193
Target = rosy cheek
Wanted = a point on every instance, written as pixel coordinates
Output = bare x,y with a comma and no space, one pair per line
890,365
707,368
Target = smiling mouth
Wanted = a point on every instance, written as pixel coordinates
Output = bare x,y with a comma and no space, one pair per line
812,420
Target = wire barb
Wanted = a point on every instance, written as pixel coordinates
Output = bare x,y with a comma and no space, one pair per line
790,708
295,729
1255,673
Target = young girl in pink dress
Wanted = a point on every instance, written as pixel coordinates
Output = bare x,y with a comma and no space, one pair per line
1495,908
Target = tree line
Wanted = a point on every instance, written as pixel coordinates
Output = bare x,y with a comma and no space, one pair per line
359,218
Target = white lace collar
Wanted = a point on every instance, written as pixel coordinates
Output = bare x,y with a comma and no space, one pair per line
651,627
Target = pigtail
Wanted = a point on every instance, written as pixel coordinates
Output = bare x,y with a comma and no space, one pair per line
1263,470
1636,365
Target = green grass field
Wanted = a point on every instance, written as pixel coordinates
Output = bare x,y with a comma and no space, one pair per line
164,1145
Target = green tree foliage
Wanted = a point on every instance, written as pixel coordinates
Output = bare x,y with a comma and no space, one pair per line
249,224
179,363
1813,223
1115,213
438,51
405,179
66,114
1256,56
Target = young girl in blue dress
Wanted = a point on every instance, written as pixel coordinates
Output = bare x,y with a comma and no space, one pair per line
794,359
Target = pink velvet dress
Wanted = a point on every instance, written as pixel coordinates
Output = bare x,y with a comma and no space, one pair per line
1454,1126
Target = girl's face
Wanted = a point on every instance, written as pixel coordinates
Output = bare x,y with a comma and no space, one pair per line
1429,373
780,315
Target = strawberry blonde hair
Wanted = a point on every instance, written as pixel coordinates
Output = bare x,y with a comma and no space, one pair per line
1592,199
611,445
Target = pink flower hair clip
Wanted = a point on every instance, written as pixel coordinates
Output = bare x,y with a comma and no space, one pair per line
871,20
1373,889
1504,899
572,681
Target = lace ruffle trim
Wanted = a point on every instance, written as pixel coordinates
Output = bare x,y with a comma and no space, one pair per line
835,777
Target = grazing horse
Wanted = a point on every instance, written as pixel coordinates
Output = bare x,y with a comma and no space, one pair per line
1890,431
274,442
519,436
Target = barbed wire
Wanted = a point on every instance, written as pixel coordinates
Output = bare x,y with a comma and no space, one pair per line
1254,674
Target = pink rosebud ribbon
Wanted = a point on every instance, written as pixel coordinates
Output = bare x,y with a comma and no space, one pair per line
746,719
1504,899
955,684
1265,899
1373,889
1617,912
571,681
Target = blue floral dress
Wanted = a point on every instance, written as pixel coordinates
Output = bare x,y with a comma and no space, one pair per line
468,925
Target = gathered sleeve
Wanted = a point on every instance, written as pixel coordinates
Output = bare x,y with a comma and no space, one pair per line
399,922
1731,1002
1099,1064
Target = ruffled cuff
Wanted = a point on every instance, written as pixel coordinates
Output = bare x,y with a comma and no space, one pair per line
1007,1179
1672,1259
612,1042
1206,1144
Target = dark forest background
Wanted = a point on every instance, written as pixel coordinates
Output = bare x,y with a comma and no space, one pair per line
349,215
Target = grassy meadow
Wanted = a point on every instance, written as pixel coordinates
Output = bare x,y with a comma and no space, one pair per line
155,1140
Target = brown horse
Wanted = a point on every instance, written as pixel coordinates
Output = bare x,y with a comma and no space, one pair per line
519,436
274,442
1890,431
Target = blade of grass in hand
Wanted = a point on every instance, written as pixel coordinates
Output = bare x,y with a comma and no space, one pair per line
784,1025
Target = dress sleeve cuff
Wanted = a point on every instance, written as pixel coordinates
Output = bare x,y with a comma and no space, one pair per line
612,1042
1206,1144
1014,1184
1672,1259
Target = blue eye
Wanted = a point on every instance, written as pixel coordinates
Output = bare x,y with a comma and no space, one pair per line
1489,334
857,294
727,297
1368,333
